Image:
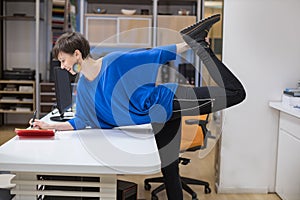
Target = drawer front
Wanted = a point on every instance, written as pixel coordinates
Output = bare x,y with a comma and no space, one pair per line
48,98
290,124
49,87
46,108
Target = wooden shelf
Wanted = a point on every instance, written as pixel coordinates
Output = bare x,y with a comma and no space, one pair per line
15,92
19,18
23,82
22,1
15,112
11,100
17,102
121,1
116,15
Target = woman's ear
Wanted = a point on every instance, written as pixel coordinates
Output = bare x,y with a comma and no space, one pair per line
77,54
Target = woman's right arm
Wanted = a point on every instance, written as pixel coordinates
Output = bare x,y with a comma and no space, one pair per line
60,126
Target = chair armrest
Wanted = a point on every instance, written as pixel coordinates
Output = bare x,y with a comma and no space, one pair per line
202,124
199,122
196,121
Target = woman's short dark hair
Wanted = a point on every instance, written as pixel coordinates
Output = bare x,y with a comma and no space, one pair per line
69,42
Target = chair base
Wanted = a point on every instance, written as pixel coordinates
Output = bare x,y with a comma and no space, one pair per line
185,181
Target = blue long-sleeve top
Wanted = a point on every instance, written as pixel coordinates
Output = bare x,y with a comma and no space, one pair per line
124,92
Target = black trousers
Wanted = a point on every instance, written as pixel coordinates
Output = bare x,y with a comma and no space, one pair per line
192,101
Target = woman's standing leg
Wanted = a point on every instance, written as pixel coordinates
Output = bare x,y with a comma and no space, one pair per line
168,138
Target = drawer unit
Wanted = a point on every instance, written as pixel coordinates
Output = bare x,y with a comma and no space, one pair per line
47,97
290,124
288,163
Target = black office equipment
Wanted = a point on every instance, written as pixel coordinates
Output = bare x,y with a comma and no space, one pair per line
63,93
186,73
19,74
126,190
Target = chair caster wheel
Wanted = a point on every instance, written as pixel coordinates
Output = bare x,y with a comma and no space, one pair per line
154,197
207,190
147,186
194,196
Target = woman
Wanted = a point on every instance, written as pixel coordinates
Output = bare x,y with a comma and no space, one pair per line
119,89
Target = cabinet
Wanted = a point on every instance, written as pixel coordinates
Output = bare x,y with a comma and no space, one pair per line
155,23
17,96
169,27
121,30
47,97
134,30
288,164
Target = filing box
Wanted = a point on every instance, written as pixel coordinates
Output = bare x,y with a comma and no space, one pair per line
126,190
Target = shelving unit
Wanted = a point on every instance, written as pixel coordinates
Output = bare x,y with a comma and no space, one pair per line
15,17
28,35
63,18
25,36
17,96
58,19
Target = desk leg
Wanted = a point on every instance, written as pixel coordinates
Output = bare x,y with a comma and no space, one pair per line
111,179
21,189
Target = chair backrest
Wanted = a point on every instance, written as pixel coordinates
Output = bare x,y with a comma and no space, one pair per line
192,135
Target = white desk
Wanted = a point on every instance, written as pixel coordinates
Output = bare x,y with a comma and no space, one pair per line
288,162
90,152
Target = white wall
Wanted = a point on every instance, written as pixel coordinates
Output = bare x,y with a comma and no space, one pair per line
262,47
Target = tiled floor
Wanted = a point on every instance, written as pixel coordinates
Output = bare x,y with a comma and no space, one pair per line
199,169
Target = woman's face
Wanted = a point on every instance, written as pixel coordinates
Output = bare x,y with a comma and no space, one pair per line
67,61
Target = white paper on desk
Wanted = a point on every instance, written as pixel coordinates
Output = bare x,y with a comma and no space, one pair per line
115,148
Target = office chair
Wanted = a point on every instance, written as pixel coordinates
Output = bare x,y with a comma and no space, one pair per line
194,134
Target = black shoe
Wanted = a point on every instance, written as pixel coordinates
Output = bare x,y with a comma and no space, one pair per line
199,30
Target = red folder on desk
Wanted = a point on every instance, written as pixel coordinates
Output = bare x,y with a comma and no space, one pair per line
35,132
